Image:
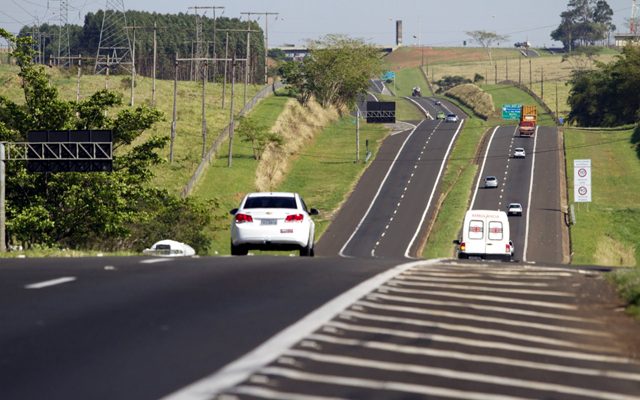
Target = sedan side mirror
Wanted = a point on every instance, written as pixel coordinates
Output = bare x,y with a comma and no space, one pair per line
314,211
234,211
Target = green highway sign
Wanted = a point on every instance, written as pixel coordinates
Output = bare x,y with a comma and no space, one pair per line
511,111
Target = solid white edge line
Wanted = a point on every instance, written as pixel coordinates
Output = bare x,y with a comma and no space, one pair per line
240,369
341,252
533,168
486,154
433,191
420,107
52,282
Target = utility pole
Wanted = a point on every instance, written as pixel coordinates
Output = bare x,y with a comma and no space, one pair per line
231,117
357,134
520,70
506,71
266,38
78,79
226,55
207,60
204,116
542,82
495,72
133,63
200,53
557,112
155,57
530,76
224,81
175,109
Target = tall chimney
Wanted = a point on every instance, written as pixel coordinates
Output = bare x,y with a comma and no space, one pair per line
399,32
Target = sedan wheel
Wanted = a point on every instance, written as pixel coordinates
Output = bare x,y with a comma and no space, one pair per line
239,250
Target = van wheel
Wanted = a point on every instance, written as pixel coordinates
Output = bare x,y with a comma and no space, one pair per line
239,250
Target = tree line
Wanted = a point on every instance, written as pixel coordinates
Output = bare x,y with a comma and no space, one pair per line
176,34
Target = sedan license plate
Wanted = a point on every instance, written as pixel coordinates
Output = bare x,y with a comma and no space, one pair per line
270,221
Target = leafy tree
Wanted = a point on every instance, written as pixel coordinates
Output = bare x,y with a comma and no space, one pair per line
88,210
608,95
259,136
486,40
584,23
336,71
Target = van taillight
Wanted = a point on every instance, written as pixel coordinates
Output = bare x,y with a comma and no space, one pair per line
242,218
507,248
463,246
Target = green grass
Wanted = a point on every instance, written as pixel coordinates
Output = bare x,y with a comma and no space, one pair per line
405,110
456,190
607,230
226,186
628,283
327,172
407,79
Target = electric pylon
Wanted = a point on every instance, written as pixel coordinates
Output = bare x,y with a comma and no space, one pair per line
114,47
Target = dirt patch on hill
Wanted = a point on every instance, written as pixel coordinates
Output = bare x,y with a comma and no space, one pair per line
411,57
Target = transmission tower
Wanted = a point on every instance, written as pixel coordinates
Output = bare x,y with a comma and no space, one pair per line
64,49
114,47
633,22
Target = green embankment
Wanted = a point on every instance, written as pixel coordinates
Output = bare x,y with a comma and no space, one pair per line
606,231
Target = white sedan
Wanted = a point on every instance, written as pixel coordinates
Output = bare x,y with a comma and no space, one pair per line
451,118
272,221
519,153
514,209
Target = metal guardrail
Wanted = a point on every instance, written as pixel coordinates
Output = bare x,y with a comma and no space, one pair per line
223,135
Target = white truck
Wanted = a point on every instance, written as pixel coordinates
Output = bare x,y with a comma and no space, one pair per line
485,234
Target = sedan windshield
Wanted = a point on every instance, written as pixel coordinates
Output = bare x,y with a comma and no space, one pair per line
270,202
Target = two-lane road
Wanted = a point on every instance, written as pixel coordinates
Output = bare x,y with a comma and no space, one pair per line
534,182
393,202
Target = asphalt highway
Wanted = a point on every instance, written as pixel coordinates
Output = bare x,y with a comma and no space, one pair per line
534,182
387,212
139,328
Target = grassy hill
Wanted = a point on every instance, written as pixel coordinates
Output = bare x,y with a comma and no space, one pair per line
188,144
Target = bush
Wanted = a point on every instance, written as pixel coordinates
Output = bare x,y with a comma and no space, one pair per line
448,82
473,97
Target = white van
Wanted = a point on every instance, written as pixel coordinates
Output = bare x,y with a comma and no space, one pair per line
485,234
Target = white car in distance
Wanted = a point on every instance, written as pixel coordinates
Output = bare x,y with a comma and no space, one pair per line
519,153
272,221
514,209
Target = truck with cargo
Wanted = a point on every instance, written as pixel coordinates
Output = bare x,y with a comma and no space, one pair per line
528,120
485,234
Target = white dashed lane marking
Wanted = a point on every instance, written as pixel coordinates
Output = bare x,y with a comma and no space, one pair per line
52,282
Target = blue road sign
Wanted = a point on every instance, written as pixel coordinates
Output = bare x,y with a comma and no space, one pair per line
511,111
388,76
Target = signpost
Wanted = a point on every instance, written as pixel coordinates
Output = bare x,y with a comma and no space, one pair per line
582,181
511,111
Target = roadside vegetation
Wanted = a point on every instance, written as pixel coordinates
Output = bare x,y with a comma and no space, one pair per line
606,231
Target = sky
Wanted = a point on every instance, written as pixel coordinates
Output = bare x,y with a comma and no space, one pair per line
425,22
